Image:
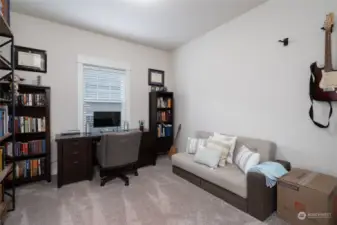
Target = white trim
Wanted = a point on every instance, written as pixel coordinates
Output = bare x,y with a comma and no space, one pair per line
102,62
83,59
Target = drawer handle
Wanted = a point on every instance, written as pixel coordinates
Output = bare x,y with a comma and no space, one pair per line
76,162
75,153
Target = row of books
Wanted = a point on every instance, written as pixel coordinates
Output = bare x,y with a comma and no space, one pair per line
164,102
164,116
3,120
29,168
164,130
26,148
25,124
31,99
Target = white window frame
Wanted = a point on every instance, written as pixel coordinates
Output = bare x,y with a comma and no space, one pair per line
81,61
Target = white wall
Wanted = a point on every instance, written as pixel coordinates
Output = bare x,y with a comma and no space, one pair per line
63,45
238,79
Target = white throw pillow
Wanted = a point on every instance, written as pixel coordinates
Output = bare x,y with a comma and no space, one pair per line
246,159
193,144
229,140
219,144
208,157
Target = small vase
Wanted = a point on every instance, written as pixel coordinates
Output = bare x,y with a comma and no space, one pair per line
141,128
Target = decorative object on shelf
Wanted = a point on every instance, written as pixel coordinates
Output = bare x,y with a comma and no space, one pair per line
126,125
71,132
39,80
30,59
5,10
155,88
285,41
141,125
8,77
14,87
156,77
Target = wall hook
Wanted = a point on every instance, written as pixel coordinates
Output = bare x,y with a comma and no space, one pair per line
285,41
323,28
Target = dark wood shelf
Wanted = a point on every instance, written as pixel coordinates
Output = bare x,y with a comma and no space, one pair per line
5,30
5,172
28,106
5,100
156,114
5,137
163,93
26,180
164,123
30,133
163,109
25,157
164,137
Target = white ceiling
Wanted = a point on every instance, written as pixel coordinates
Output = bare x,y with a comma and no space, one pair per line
163,24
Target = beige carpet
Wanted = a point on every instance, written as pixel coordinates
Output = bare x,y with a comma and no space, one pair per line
156,197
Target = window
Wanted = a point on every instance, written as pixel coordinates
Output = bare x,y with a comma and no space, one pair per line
102,86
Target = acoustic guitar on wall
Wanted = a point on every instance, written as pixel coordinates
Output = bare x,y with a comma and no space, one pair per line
173,149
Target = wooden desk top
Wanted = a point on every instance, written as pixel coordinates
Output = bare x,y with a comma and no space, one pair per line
59,137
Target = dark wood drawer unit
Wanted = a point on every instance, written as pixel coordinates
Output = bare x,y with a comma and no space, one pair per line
76,155
74,161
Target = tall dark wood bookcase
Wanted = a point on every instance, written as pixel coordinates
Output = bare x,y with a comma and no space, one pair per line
33,158
7,203
161,119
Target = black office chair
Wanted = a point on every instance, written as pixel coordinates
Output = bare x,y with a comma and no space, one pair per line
117,154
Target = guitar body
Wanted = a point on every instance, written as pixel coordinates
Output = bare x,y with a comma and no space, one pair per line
173,149
318,93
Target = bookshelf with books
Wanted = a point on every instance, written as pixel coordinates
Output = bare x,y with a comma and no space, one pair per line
7,65
161,119
30,124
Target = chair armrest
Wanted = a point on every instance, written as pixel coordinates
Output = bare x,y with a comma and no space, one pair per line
261,200
285,164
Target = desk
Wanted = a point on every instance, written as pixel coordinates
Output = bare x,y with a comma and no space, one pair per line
76,155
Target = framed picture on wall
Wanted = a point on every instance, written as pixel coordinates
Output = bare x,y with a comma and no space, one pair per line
156,77
30,59
5,10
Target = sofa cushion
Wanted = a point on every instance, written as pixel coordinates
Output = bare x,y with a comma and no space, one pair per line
208,157
266,149
229,177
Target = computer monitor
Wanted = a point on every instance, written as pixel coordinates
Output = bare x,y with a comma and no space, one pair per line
107,119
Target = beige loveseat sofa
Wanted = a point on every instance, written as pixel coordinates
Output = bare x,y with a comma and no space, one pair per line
247,192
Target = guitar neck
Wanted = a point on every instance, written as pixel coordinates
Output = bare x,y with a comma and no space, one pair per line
328,55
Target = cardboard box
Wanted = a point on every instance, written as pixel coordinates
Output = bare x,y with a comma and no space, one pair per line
307,198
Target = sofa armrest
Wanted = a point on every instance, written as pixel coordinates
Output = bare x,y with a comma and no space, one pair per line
285,164
261,200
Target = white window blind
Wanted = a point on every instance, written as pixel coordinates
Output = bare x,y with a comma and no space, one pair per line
103,90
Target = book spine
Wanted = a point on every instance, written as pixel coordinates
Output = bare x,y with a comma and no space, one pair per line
39,124
28,168
39,167
43,124
1,123
44,146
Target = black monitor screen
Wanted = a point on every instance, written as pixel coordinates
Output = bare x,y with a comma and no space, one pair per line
107,119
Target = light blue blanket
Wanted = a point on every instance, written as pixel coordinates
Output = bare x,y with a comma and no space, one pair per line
272,171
